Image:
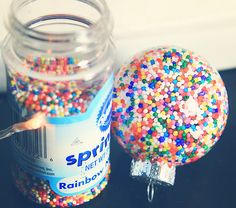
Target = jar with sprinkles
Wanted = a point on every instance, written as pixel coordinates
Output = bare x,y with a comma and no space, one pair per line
60,59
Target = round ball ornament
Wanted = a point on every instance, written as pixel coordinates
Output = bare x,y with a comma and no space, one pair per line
170,107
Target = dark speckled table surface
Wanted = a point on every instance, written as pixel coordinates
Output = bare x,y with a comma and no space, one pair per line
207,183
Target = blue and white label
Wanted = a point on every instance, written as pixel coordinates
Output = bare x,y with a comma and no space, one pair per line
72,152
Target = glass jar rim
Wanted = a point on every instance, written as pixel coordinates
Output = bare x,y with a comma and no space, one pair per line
13,22
34,35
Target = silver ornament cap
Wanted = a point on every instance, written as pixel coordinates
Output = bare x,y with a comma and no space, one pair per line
155,173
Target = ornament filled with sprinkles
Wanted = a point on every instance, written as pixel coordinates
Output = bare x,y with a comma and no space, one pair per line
169,109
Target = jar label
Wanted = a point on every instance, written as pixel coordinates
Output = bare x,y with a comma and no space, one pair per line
72,153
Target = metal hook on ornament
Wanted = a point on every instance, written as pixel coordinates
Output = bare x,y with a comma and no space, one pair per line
150,191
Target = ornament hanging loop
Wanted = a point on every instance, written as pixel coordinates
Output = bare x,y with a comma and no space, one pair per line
150,191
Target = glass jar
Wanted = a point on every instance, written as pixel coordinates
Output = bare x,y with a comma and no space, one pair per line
60,59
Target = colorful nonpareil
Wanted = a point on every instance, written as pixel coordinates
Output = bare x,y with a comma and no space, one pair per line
170,106
53,98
